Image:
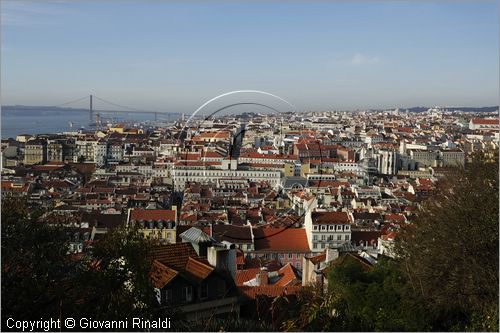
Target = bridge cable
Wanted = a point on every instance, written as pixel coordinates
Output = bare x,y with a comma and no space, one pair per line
70,102
118,105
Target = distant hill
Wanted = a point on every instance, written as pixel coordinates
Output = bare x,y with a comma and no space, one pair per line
28,109
37,108
457,108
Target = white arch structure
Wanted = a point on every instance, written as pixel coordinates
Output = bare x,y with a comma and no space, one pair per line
239,92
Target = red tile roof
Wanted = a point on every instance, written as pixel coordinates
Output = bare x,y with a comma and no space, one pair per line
161,274
240,257
232,233
330,218
319,258
281,240
288,276
483,121
394,217
178,258
245,275
153,214
270,291
213,135
198,269
389,237
175,255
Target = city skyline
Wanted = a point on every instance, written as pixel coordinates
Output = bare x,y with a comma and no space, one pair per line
170,56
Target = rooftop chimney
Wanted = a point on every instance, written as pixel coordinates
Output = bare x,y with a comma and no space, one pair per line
262,277
331,254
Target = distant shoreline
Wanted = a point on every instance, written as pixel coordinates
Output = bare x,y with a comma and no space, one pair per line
36,109
485,109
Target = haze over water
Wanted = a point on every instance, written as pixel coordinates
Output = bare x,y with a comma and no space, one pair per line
32,121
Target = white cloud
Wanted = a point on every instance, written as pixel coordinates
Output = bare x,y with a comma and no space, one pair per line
28,13
360,59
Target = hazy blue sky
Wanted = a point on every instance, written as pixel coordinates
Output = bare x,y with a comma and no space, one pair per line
174,56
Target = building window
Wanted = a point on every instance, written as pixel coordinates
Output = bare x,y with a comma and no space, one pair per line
315,245
221,288
203,290
322,245
323,227
315,237
166,296
323,237
347,227
315,228
187,294
347,237
339,237
249,247
332,227
290,255
339,227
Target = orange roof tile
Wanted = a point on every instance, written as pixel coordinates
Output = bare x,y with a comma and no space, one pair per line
198,269
330,218
288,276
161,275
152,214
319,258
281,239
483,121
245,275
270,291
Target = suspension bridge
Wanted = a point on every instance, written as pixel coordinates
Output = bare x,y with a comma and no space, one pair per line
94,112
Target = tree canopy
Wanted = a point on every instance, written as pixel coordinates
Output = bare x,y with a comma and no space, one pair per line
40,279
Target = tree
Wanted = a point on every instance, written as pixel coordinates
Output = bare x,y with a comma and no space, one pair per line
40,279
374,298
450,252
35,264
114,278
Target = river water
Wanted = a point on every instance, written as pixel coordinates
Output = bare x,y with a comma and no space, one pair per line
32,121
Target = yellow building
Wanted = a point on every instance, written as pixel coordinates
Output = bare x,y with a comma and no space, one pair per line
35,152
288,169
120,128
157,224
305,169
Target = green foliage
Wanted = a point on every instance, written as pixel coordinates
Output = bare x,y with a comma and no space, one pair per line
377,299
34,263
445,277
41,280
115,277
450,253
229,324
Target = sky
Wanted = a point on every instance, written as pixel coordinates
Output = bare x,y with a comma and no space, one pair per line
174,56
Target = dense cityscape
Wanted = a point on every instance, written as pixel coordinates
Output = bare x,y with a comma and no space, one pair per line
245,206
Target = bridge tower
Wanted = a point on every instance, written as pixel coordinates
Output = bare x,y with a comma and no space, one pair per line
91,112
